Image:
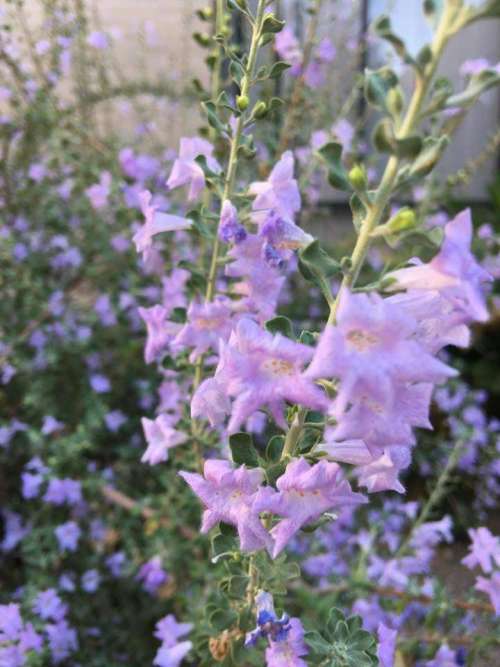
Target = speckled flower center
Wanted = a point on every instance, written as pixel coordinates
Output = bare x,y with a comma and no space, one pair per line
279,366
361,340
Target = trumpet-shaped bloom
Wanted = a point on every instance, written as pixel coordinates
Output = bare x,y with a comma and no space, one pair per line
454,271
186,171
228,495
439,321
261,282
382,473
290,651
284,236
259,369
207,324
280,193
230,228
372,342
172,652
156,223
160,437
492,588
484,550
210,402
304,493
268,624
382,418
160,330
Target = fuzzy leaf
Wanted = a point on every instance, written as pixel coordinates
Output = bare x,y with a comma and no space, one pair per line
242,450
331,154
280,325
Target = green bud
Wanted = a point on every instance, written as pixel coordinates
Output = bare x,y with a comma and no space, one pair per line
242,4
395,101
206,13
357,177
242,102
260,110
404,219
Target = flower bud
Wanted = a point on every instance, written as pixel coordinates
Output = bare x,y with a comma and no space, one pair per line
207,13
395,101
260,110
357,177
404,219
242,102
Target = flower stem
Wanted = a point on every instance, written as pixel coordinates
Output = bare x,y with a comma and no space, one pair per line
386,187
435,497
293,435
235,141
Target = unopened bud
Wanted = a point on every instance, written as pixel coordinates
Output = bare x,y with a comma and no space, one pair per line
242,102
357,177
260,110
395,101
404,219
207,13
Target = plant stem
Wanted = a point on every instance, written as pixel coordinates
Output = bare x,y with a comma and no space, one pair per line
435,496
385,189
235,141
293,435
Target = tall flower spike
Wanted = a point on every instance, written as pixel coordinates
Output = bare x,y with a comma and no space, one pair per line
454,271
186,171
259,369
304,493
228,495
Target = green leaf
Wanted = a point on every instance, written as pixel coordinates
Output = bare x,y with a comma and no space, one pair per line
237,71
243,450
277,69
223,544
378,83
222,619
383,28
281,325
478,84
331,154
429,156
317,643
212,117
316,265
385,141
272,24
275,448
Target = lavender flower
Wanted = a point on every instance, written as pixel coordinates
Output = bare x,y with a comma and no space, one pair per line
160,437
230,229
67,535
269,625
304,493
48,605
161,331
259,369
484,550
491,587
186,171
280,193
228,495
152,575
207,324
289,652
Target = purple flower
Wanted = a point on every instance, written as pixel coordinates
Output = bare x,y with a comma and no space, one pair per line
453,272
168,630
484,550
283,236
280,193
344,132
372,344
289,652
156,222
90,581
381,474
445,657
62,640
100,383
492,588
161,331
13,531
11,622
172,656
230,229
60,491
288,48
261,282
304,493
160,437
31,484
67,535
210,402
186,171
152,575
207,324
99,192
98,40
174,289
115,563
387,645
114,420
474,66
49,606
268,624
228,495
